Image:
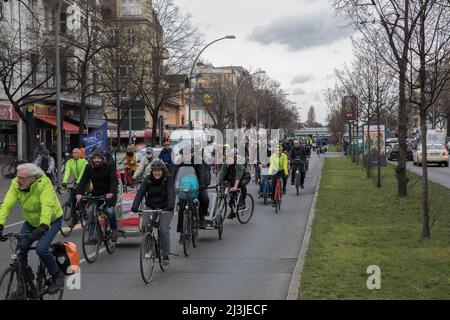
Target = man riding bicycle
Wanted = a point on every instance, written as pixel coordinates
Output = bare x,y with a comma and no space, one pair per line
144,167
104,180
238,177
301,153
46,162
42,213
76,167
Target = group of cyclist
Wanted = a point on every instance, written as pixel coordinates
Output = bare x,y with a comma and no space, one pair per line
42,212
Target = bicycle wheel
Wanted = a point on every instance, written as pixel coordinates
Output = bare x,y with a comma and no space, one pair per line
297,182
219,223
12,286
147,257
222,207
65,228
244,216
277,197
187,232
107,234
194,228
91,240
43,279
9,171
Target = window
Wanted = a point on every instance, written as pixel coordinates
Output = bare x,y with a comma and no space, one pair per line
33,69
113,38
131,37
130,7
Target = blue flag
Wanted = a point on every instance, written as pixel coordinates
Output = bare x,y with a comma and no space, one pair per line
96,140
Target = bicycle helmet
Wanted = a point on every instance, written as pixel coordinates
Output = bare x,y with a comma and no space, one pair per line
148,150
157,164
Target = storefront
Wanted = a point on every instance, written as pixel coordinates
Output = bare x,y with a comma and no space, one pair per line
9,121
45,122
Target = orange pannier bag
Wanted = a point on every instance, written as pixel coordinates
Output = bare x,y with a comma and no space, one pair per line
67,256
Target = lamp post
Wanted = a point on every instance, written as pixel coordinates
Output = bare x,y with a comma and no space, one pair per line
229,37
237,94
58,96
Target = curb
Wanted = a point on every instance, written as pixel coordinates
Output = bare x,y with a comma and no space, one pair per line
294,287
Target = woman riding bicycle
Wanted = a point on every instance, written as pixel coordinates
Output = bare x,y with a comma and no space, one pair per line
42,213
159,192
278,168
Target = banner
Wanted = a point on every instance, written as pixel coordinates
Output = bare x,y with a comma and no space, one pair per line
97,139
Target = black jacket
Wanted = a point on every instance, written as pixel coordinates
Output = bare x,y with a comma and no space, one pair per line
159,194
104,180
298,152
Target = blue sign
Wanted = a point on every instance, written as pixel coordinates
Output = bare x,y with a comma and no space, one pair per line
96,140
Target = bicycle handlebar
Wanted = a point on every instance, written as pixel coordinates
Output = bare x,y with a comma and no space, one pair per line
17,236
99,198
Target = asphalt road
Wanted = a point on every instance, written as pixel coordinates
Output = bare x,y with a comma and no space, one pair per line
436,173
253,261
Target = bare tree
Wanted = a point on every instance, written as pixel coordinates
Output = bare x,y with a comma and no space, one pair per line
392,24
430,72
173,47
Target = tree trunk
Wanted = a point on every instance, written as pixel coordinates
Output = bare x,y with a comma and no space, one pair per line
379,150
369,154
425,201
82,102
155,116
402,178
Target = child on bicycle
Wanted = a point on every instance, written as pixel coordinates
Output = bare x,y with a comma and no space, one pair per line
159,192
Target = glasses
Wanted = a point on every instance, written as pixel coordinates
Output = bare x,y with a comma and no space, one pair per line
22,178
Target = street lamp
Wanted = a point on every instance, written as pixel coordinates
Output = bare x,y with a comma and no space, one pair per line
228,37
237,93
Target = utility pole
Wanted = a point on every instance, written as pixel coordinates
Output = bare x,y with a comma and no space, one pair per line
58,96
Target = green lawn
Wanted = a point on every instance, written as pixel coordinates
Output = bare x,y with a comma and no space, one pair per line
357,225
334,148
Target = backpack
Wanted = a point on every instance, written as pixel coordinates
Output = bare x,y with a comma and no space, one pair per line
67,256
189,183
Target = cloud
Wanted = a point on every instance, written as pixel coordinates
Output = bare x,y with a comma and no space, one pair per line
302,78
302,31
298,92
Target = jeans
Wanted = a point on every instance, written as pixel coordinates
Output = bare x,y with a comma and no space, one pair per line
164,222
42,248
302,170
109,210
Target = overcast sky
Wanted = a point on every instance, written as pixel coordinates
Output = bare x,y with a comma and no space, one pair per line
298,43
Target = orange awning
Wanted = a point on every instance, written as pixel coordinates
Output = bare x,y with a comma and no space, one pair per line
67,127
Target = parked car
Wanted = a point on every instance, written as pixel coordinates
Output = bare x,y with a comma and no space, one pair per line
393,153
436,153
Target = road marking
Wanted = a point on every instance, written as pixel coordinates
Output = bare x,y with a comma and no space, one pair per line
99,253
14,224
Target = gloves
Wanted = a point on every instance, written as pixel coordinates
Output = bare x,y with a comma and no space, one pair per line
1,230
170,208
135,210
39,232
64,185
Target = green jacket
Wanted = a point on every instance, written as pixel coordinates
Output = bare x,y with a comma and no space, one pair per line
240,171
40,204
76,168
278,163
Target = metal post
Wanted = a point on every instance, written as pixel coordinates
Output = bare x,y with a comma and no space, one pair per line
58,96
130,124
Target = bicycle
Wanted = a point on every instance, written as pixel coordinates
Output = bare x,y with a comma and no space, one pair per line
70,208
243,215
9,170
96,232
150,244
189,208
277,196
18,280
265,190
297,163
216,217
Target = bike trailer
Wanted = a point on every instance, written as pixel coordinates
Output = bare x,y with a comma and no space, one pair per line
67,256
128,221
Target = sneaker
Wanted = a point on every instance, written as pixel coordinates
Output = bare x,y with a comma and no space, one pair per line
115,235
180,240
302,186
57,283
231,216
292,183
165,262
242,207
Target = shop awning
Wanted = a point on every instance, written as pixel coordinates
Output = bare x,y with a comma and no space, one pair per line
67,127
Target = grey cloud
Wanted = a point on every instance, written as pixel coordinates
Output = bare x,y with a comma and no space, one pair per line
302,31
302,78
298,92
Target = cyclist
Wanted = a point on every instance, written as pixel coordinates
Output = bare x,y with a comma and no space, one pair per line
159,192
47,164
278,167
42,213
74,166
203,197
144,167
166,155
301,152
131,166
238,177
105,183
